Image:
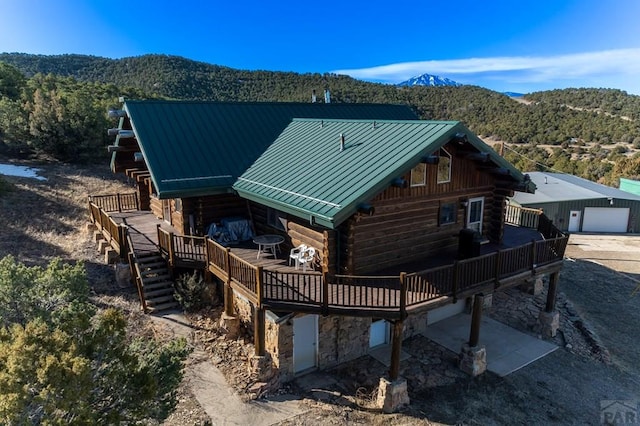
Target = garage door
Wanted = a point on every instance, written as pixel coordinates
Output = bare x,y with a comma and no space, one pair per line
605,219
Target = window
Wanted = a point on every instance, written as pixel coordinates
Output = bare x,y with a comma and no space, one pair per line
276,219
447,214
419,175
444,166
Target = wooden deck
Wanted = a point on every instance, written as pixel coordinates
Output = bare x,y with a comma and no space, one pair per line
142,227
270,282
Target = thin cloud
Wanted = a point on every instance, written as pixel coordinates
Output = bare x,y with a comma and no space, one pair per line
517,69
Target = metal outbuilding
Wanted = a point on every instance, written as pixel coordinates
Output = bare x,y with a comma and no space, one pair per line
579,205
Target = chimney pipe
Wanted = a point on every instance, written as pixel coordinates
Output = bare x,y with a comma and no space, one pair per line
327,96
313,96
341,142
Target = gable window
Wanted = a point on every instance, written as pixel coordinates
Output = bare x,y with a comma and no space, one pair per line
444,166
447,214
419,175
276,219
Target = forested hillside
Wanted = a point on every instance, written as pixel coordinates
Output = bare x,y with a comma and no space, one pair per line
56,105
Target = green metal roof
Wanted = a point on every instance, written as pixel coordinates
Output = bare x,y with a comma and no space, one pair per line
200,148
304,172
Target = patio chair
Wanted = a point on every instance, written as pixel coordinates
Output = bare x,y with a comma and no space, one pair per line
295,254
307,257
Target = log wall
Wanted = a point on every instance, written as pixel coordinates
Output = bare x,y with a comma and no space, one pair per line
299,231
404,226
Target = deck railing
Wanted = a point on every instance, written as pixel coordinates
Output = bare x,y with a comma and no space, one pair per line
522,216
113,232
385,296
182,251
116,202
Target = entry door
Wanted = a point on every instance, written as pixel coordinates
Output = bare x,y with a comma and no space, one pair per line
574,221
474,214
305,342
379,333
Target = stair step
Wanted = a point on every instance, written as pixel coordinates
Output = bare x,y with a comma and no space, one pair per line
153,263
154,279
157,285
164,307
158,292
145,257
157,271
153,301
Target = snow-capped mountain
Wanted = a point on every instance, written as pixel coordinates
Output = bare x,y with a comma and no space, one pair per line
429,80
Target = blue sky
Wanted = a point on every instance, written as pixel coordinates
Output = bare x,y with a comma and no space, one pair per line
519,46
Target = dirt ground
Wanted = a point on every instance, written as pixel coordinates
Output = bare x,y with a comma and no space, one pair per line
43,219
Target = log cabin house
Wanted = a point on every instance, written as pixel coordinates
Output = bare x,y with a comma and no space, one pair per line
406,218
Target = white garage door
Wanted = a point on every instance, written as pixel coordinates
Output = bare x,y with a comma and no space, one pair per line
605,219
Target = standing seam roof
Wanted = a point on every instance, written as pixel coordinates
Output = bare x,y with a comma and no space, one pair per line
200,148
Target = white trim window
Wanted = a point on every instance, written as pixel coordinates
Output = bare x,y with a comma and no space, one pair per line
419,175
444,166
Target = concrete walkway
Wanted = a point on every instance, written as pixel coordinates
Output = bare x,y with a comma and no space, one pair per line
507,348
216,397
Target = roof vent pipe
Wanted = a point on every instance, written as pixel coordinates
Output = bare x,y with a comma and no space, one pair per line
374,124
545,180
327,96
313,96
341,142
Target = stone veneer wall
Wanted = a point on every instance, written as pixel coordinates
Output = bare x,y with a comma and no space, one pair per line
340,338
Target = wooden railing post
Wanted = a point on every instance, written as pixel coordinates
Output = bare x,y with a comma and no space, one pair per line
325,293
454,284
228,291
259,285
119,201
533,255
122,231
498,262
172,249
403,295
259,325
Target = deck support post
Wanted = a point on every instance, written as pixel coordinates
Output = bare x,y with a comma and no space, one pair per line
473,357
396,346
392,392
551,292
259,331
549,319
476,317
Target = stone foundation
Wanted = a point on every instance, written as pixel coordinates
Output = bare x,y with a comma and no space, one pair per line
549,323
261,368
487,302
231,326
392,395
123,274
534,286
473,360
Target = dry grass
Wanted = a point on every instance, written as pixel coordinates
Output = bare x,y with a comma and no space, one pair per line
43,219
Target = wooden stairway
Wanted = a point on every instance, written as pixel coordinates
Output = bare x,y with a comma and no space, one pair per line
155,286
